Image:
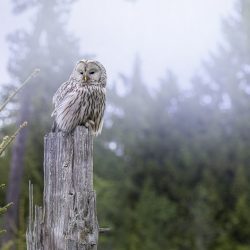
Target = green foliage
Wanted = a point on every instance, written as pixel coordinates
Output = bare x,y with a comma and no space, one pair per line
4,208
185,153
151,217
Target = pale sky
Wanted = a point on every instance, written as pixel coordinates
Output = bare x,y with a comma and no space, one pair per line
166,34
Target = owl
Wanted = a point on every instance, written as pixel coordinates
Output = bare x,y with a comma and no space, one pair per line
81,99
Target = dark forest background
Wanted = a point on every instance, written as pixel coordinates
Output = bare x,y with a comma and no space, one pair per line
172,166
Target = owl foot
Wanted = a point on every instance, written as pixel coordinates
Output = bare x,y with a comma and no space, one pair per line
89,124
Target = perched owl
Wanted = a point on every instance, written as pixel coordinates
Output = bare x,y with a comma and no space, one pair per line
81,100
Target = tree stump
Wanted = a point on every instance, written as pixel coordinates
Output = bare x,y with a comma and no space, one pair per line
68,218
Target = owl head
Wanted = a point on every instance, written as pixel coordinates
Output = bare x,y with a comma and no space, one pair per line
90,72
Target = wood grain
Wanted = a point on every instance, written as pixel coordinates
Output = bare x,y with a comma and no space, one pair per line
68,218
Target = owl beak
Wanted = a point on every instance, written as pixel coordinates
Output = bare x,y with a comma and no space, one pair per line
85,78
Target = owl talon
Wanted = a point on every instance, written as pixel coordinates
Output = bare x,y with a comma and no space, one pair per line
89,124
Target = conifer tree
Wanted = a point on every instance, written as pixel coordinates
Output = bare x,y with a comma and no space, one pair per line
227,87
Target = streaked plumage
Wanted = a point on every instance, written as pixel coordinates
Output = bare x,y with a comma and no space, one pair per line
81,100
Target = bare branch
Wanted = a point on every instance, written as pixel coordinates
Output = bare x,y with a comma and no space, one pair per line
104,229
4,209
11,96
8,139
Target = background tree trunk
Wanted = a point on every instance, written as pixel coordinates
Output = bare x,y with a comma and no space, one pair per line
16,172
68,218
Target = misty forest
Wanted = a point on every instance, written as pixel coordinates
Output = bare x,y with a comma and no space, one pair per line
172,165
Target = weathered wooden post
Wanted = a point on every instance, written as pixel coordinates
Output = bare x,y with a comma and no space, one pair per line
68,217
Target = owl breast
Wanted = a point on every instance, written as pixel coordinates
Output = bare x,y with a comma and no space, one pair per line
92,104
81,106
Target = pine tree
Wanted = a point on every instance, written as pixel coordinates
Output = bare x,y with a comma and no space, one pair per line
227,87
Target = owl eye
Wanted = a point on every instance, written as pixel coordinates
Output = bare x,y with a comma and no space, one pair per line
81,72
92,72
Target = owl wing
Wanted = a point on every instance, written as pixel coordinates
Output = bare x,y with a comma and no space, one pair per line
99,111
62,91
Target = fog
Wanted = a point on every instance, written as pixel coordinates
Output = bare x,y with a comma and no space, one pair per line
172,34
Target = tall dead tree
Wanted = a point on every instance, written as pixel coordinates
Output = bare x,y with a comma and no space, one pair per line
68,217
